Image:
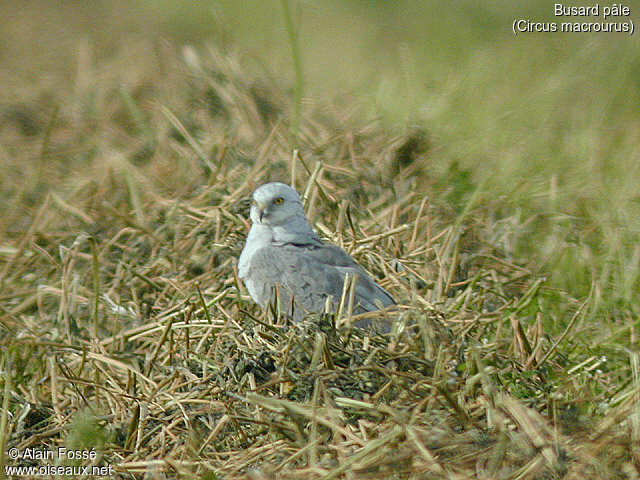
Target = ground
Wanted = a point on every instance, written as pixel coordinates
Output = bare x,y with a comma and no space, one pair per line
125,329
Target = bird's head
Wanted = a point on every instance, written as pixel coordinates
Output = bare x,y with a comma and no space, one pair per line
276,205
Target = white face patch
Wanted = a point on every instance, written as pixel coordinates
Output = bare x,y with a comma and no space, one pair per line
275,204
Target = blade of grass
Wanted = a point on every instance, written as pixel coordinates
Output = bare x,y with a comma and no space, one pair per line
292,32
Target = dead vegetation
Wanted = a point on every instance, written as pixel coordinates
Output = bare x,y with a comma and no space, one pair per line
124,326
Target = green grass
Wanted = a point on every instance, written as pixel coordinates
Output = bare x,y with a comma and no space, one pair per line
500,172
546,122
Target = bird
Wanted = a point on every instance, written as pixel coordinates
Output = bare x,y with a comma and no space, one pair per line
284,256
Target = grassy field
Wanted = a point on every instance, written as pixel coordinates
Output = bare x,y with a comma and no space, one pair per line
489,181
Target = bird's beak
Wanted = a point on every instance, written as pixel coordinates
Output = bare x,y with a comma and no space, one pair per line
261,207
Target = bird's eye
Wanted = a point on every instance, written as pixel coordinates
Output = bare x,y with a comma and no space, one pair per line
278,201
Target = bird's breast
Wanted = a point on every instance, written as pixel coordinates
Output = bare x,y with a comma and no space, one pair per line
259,237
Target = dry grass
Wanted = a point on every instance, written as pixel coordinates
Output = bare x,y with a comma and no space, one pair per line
124,326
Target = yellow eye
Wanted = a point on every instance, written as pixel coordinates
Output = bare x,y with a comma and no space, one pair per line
278,201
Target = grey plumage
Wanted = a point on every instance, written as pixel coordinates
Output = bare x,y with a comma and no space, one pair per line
283,253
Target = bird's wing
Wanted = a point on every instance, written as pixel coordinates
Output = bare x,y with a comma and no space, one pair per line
310,274
367,291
